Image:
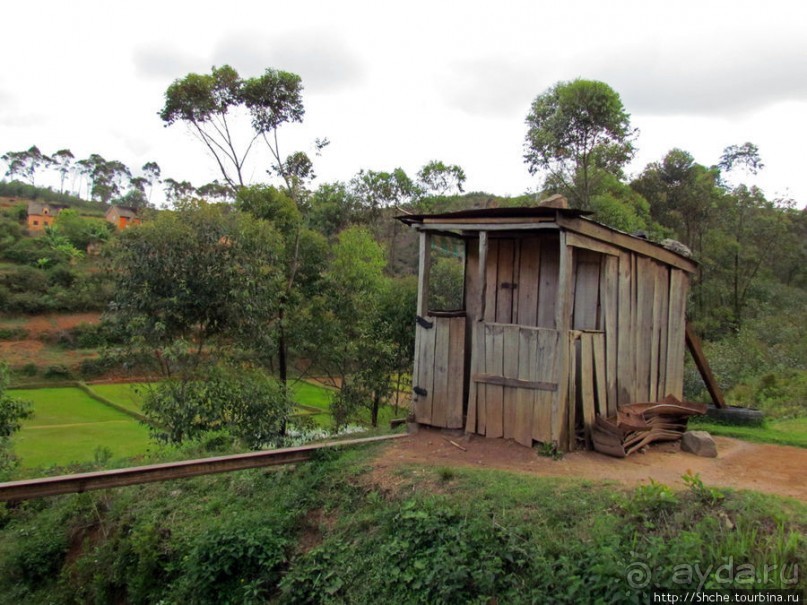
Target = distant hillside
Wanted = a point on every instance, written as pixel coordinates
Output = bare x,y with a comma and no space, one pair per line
15,191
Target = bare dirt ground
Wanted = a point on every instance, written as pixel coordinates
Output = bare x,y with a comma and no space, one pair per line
53,322
773,469
34,350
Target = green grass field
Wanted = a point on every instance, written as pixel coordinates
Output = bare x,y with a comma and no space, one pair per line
313,400
781,432
126,395
68,426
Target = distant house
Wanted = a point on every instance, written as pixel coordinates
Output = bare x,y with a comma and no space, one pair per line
41,215
122,216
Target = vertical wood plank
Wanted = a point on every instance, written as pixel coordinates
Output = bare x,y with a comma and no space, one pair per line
560,403
495,393
473,390
456,372
423,403
609,282
491,279
548,282
625,344
525,398
510,366
416,376
676,342
480,351
587,290
646,283
472,297
504,295
544,368
482,272
655,330
440,401
528,276
587,383
515,280
600,388
570,413
424,266
663,287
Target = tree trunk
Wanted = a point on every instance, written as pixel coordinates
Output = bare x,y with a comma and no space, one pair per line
374,410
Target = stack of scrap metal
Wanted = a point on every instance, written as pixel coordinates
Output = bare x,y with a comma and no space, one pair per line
639,424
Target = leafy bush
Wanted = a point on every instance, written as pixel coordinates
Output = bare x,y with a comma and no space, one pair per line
58,371
26,280
13,333
26,251
12,412
234,560
251,405
92,368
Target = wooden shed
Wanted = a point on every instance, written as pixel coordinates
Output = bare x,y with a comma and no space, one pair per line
538,319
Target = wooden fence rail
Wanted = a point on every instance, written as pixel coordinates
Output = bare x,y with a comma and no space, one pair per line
83,482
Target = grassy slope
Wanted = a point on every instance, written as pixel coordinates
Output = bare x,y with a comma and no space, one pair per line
327,532
68,426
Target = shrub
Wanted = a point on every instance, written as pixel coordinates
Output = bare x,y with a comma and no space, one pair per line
26,251
29,369
238,560
26,280
13,333
58,372
92,368
251,405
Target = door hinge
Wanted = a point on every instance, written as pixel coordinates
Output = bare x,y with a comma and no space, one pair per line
424,323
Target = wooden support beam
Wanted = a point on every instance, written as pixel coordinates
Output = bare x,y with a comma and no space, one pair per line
515,382
623,240
483,272
424,265
694,346
456,228
84,482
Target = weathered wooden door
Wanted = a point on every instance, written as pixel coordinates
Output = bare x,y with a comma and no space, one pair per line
439,371
514,383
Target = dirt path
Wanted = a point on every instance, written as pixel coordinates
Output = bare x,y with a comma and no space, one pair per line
766,468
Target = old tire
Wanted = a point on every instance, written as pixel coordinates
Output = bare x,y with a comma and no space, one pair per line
735,415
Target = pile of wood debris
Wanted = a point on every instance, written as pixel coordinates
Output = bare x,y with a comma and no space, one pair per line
639,424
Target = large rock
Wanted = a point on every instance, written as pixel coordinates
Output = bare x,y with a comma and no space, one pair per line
699,443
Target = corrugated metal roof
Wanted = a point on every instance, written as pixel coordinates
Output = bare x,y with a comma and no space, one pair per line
125,211
495,213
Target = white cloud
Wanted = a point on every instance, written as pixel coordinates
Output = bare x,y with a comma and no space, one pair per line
163,61
323,60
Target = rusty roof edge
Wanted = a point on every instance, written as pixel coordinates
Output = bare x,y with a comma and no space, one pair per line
414,220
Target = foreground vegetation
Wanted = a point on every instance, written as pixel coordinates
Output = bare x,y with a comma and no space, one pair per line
329,532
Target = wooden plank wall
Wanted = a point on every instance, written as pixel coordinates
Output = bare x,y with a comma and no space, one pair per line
521,275
588,384
624,313
515,369
440,350
641,306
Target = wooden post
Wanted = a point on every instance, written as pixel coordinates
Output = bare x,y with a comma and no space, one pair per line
563,309
424,264
694,346
483,263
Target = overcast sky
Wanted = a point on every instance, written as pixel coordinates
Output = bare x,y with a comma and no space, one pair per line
400,84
